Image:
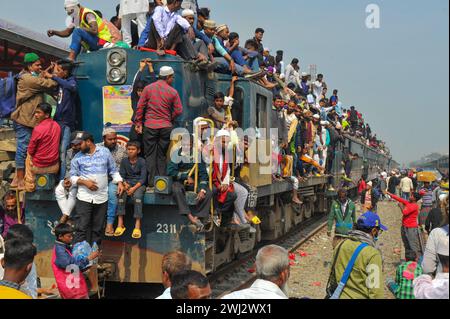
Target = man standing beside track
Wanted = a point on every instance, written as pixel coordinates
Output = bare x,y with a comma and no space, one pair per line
343,212
357,268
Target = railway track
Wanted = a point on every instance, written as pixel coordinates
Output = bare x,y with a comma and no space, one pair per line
236,275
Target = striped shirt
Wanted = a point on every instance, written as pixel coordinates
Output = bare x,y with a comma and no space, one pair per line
159,106
427,199
95,167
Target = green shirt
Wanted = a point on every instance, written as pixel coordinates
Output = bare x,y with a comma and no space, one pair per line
406,273
344,220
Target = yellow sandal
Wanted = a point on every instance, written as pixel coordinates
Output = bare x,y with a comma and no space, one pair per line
119,231
137,234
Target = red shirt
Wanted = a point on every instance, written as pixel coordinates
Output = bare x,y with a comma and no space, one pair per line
410,213
161,104
362,187
44,144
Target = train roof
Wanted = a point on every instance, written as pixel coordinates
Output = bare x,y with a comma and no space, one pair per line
16,41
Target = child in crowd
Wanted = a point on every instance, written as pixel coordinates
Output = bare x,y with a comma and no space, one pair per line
67,269
220,113
9,213
134,172
407,272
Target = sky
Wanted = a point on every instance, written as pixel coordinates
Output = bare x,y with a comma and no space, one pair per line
396,75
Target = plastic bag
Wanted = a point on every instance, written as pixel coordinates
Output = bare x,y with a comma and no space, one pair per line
82,251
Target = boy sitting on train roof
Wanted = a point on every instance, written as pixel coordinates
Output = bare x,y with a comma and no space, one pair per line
86,28
181,169
134,173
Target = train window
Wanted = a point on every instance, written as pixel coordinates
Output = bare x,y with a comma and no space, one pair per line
261,111
237,110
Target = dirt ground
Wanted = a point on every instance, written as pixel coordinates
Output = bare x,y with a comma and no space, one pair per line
309,274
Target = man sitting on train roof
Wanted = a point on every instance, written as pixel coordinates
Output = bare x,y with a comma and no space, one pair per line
202,44
217,35
181,169
86,28
170,31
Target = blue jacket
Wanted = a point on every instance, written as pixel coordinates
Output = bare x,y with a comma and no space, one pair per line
64,259
67,96
144,35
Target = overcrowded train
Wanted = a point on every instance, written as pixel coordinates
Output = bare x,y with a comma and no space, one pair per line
104,80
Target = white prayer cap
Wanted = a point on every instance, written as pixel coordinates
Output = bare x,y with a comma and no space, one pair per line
71,3
187,13
108,130
199,121
442,247
324,123
370,184
443,197
316,116
267,49
166,71
223,133
304,74
221,27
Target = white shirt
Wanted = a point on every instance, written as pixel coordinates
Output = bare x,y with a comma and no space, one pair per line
165,21
95,167
261,289
166,295
427,288
292,75
406,185
430,261
133,7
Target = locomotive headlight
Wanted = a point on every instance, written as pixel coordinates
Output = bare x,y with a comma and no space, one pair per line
116,66
116,58
115,75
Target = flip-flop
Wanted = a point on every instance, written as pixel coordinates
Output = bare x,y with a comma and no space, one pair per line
119,231
137,234
108,234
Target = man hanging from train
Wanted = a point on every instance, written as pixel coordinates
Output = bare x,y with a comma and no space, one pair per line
86,28
158,108
181,169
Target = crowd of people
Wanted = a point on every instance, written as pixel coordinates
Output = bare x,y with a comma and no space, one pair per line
98,180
